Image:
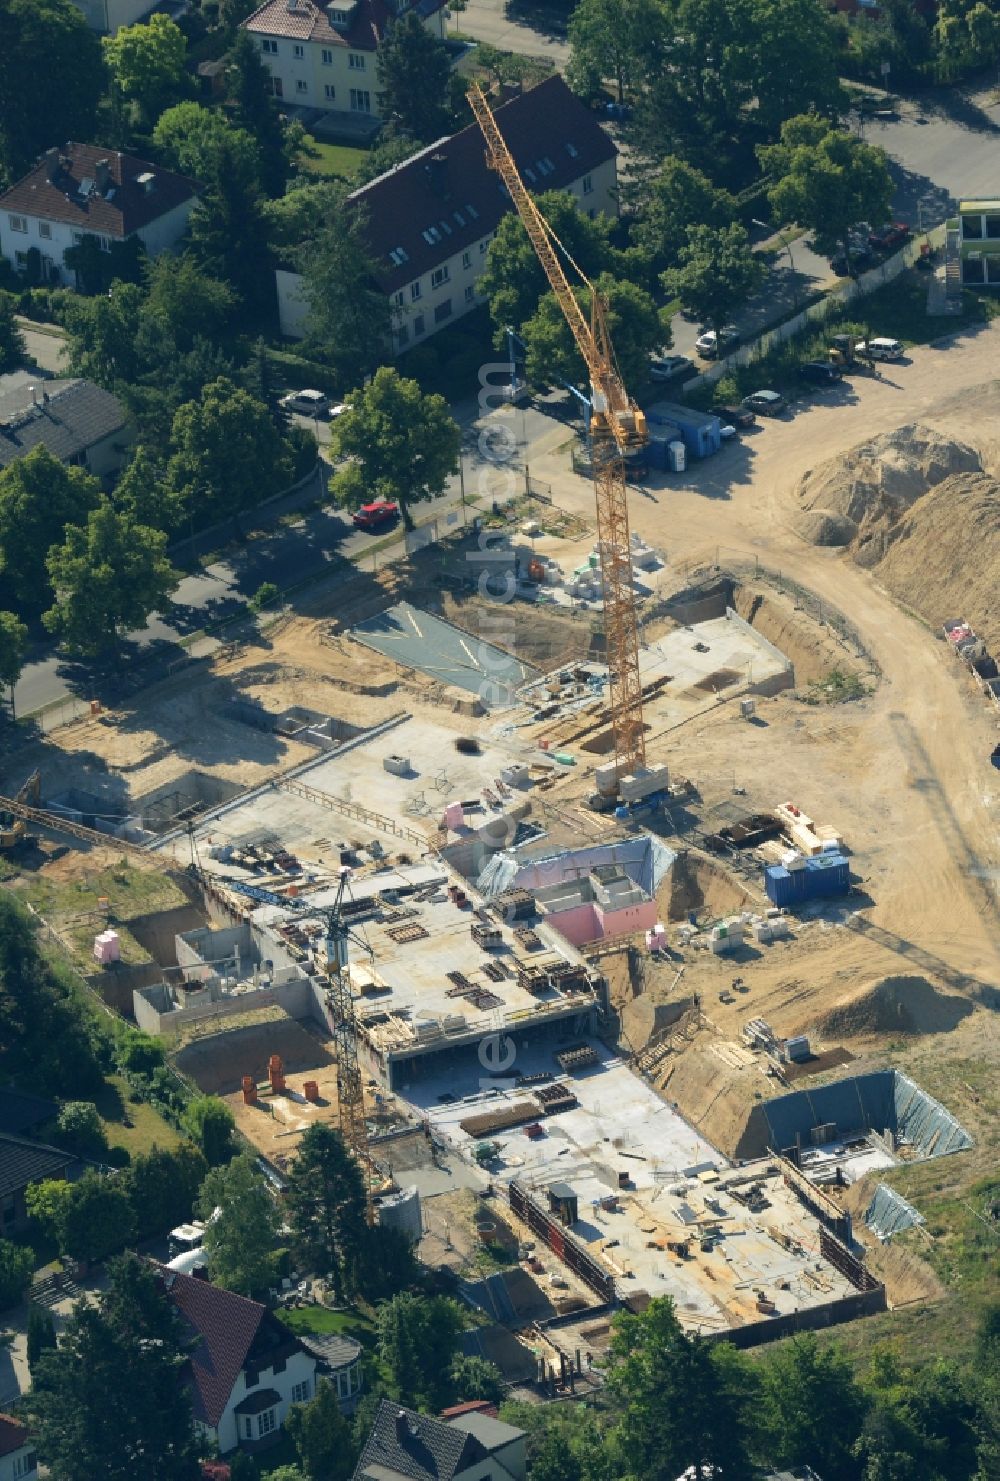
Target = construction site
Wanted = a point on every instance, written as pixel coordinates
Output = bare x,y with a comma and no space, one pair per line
655,936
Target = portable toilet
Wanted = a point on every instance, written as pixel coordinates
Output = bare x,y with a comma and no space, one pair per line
677,457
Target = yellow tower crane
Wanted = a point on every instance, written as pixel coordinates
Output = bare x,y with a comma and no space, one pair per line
617,424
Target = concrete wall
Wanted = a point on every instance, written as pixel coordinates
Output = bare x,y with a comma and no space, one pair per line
295,997
809,1319
774,683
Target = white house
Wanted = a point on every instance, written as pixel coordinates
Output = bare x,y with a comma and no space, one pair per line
245,1368
78,422
83,190
430,220
107,16
17,1453
474,1446
323,56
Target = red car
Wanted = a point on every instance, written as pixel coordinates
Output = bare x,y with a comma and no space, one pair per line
893,235
374,516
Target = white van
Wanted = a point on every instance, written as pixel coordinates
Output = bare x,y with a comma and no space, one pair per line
307,403
880,349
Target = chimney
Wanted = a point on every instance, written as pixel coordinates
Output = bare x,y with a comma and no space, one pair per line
436,170
102,176
51,163
146,181
402,1428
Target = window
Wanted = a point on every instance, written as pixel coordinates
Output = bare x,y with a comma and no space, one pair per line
327,57
431,236
361,100
484,245
266,1422
402,338
418,325
442,312
45,230
439,275
355,61
329,92
298,49
18,223
415,291
572,150
972,226
473,213
588,184
397,299
993,227
470,293
247,1427
301,86
300,1391
268,47
529,175
458,217
973,270
466,259
25,1464
20,260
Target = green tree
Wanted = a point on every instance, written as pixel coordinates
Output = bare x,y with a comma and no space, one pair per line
348,323
679,196
322,1436
613,39
141,494
102,334
418,1342
228,455
97,1219
386,1263
230,209
391,149
163,1187
16,1265
413,70
146,63
87,1420
811,1409
243,1467
635,325
404,445
46,1203
192,139
12,346
257,113
717,273
325,1199
514,279
39,497
475,1378
502,68
41,1333
96,269
80,1128
241,1239
51,79
210,1124
13,647
679,1403
108,576
826,179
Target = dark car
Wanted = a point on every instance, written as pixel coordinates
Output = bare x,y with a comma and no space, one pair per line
862,258
887,237
765,403
821,372
739,417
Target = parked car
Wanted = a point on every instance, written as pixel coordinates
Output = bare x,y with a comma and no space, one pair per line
887,237
880,349
668,367
307,403
862,258
710,345
339,409
374,516
766,403
739,417
821,372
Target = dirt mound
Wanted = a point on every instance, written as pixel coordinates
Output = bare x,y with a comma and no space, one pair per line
895,1005
694,885
877,482
822,527
944,559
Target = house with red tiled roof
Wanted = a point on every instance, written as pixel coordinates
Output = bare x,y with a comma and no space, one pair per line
323,56
245,1368
83,190
429,221
17,1451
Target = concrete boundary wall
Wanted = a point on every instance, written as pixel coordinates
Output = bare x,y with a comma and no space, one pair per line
295,998
778,682
811,1319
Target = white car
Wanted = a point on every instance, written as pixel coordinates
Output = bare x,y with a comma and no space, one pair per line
668,367
307,403
709,345
879,349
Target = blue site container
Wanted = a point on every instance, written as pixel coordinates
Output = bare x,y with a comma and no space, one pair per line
824,876
698,430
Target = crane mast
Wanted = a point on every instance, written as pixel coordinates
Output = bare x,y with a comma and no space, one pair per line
617,424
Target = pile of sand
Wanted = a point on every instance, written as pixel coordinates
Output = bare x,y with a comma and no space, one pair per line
859,497
894,1005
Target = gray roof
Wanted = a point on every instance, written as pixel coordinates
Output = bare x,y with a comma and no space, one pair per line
428,1449
21,1112
23,1162
333,1350
65,416
491,1433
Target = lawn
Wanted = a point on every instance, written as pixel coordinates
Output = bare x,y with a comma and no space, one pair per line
73,906
320,1321
134,1125
320,158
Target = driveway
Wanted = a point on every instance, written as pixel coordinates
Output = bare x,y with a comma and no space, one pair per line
487,20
